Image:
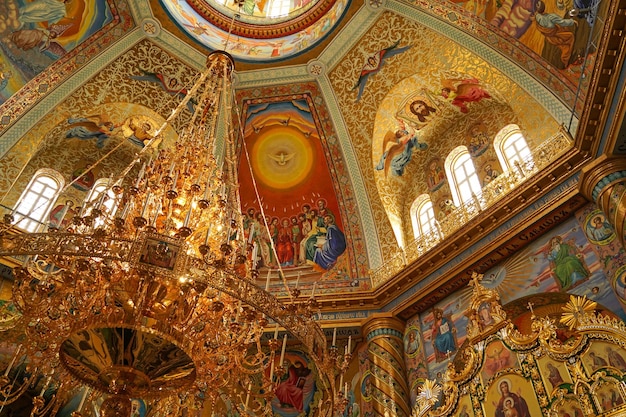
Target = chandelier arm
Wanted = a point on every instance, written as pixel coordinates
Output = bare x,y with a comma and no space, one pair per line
306,332
9,392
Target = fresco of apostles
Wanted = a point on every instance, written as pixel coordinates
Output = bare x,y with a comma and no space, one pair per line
310,238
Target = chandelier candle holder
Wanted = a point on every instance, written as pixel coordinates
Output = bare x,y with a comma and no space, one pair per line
154,298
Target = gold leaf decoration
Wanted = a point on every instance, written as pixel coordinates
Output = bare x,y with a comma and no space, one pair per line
575,309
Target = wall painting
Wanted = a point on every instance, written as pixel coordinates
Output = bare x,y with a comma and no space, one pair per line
298,211
35,34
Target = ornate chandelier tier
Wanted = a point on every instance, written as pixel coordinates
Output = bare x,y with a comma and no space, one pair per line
148,293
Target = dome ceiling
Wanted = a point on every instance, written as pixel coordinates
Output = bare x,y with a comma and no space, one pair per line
338,79
257,31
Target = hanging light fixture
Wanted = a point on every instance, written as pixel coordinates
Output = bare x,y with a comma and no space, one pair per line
155,299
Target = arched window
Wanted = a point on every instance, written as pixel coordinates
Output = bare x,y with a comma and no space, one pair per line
423,217
512,148
278,8
462,175
36,201
101,196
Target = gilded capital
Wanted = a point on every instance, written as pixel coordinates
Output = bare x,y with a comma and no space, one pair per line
600,174
379,324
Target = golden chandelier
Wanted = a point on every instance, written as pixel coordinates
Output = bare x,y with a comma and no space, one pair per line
153,297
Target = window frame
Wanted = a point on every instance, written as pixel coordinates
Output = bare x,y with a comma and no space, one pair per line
452,165
502,142
417,209
24,214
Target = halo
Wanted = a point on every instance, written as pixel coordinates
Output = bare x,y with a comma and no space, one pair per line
508,382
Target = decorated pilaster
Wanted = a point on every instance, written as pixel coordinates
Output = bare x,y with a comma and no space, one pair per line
390,391
604,183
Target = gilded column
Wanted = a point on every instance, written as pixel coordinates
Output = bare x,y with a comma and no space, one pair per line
604,183
390,391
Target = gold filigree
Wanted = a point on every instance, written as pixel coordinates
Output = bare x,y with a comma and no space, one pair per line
428,394
485,314
517,340
576,309
542,156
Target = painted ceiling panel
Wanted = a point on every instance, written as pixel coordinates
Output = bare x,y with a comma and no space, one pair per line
300,176
427,64
249,33
92,107
55,36
556,56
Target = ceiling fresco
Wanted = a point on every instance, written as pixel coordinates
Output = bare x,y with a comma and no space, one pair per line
399,97
96,118
62,35
292,169
267,39
554,46
102,140
462,92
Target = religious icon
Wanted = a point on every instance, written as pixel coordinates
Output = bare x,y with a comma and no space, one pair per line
159,253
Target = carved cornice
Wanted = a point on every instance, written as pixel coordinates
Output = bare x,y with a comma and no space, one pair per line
603,84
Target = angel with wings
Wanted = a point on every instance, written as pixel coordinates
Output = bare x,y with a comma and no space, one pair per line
398,149
462,91
373,64
41,38
169,84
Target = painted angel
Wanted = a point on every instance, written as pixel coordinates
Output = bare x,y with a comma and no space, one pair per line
41,38
398,149
374,63
97,127
170,85
461,91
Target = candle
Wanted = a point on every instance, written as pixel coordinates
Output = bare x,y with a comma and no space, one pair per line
340,381
17,351
188,214
349,343
267,280
175,181
82,400
334,337
140,176
254,252
272,371
146,204
248,394
345,390
276,332
43,389
156,213
251,235
298,280
313,292
282,352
